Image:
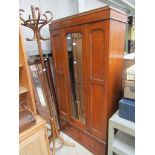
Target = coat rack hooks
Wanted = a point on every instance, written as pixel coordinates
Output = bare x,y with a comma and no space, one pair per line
36,21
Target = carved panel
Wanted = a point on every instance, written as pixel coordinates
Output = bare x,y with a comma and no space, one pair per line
62,95
59,62
98,110
96,49
97,37
57,41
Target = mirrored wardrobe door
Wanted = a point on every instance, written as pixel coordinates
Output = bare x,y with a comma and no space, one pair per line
75,62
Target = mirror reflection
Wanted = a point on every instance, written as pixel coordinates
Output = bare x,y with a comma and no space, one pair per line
74,48
36,71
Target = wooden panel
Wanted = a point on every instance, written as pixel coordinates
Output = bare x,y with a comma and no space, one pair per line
98,111
102,13
57,40
40,123
97,40
97,61
116,54
34,141
60,72
62,95
34,145
24,75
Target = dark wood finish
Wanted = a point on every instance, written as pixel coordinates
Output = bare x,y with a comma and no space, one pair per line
43,110
60,73
97,59
116,59
86,139
103,41
26,120
103,13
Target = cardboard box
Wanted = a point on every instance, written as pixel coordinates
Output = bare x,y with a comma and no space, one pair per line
131,73
129,89
127,63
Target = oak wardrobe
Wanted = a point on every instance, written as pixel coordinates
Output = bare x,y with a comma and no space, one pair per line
88,51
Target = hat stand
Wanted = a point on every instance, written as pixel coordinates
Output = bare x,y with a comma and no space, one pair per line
36,23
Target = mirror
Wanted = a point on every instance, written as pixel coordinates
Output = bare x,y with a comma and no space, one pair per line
74,50
36,71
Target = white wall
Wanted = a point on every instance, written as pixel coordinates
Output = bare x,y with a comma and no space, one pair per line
93,4
60,9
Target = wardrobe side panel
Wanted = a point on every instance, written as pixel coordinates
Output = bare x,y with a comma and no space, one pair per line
116,55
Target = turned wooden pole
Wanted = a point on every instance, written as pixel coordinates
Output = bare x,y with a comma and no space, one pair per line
36,24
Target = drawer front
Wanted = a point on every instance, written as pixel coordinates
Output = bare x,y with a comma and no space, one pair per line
96,146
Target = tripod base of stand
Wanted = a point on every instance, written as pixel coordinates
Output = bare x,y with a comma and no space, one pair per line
56,136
